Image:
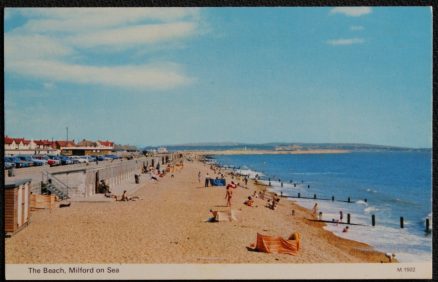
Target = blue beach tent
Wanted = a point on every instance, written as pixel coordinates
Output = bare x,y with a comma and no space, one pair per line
217,182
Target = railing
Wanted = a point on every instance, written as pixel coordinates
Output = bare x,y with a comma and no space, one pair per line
55,185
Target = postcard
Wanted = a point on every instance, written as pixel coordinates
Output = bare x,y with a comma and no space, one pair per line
218,143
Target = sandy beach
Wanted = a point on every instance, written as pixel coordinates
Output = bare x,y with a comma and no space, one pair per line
169,225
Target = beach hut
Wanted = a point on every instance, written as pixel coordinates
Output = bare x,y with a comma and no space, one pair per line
17,208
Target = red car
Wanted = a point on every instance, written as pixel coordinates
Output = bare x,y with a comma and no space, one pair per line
51,160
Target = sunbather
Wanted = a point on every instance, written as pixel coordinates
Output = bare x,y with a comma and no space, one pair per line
125,197
214,218
249,202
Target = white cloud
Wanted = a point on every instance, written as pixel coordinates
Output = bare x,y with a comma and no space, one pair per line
83,19
50,45
356,27
351,11
163,76
33,46
345,41
142,34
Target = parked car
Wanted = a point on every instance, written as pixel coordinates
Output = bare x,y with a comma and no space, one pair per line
102,158
18,163
78,159
74,159
91,158
65,160
32,161
26,159
40,159
53,160
111,156
8,165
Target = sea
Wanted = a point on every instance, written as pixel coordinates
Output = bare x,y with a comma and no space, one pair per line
388,185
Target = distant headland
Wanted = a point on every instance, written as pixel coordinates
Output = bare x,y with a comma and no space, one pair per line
287,148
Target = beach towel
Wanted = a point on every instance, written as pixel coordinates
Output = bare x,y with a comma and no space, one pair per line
276,244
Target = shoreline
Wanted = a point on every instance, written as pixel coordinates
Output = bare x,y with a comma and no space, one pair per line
359,249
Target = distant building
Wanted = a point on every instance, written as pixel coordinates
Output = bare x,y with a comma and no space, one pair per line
106,144
162,150
44,144
10,143
87,143
87,147
18,146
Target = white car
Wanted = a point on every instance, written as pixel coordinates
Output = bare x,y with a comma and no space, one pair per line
80,159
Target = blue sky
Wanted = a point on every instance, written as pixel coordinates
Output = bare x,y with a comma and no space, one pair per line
155,76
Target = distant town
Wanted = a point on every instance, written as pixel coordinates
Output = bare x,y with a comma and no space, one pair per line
22,152
14,146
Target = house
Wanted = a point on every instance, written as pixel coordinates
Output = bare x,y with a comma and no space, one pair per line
10,143
17,146
87,147
87,143
59,144
105,144
44,144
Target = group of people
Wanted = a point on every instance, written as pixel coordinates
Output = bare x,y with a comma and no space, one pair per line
273,203
341,217
105,189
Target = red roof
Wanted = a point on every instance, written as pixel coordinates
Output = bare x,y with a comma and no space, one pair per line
8,140
18,140
26,142
106,143
43,142
62,143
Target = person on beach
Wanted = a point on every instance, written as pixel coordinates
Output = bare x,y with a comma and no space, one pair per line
275,202
345,229
199,177
315,210
232,185
249,202
341,216
207,179
125,197
228,196
390,256
214,218
246,181
102,187
153,177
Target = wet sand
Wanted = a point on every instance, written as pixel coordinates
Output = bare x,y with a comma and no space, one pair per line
169,225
